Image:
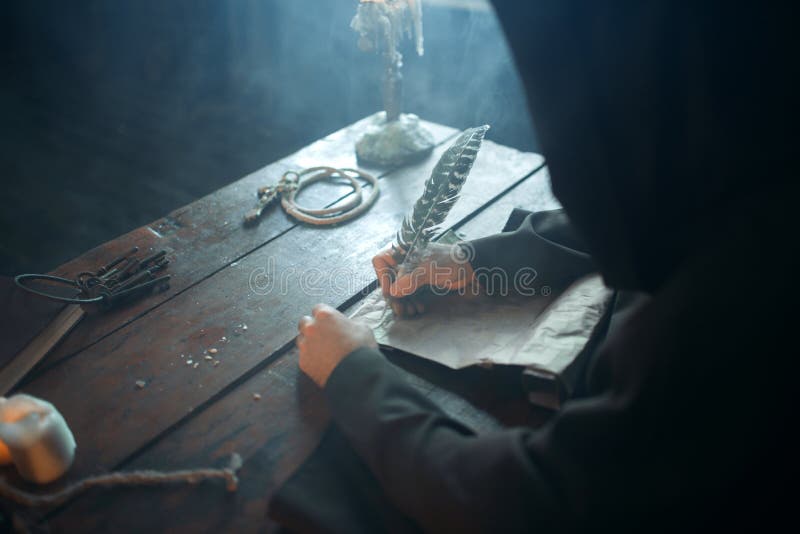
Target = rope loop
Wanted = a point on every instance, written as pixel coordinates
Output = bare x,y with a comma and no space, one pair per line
292,182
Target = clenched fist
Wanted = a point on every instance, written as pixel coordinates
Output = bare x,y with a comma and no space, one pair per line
325,338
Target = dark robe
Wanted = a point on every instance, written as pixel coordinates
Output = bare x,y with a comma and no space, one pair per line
665,129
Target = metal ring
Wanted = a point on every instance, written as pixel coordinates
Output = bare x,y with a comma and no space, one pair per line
69,300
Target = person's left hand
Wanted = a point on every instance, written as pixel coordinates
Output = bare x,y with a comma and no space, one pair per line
325,338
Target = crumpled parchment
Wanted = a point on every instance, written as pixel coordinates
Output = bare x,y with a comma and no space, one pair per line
543,332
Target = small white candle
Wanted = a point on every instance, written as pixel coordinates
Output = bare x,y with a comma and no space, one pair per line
35,437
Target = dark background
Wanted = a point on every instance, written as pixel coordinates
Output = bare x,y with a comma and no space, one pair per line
116,112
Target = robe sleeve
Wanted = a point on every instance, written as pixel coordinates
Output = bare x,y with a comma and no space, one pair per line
544,249
449,478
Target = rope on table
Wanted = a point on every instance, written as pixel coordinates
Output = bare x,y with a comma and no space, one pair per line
292,182
131,478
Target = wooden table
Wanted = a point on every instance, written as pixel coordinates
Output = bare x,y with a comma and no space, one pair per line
191,417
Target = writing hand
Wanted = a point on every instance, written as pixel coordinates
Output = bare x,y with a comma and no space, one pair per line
442,268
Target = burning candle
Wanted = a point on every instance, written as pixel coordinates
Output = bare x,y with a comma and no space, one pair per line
34,437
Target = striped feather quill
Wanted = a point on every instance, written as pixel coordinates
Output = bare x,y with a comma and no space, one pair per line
441,193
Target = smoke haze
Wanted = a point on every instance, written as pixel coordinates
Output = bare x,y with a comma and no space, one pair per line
146,105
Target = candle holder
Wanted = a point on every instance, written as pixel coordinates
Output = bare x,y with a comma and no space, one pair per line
393,138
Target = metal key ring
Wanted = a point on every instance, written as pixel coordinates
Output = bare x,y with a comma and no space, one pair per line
19,279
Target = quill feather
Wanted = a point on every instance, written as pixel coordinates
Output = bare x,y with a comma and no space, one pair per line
441,192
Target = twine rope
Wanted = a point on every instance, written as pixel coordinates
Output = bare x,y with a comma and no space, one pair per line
126,479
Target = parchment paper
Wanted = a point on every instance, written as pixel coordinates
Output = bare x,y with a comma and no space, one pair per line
546,333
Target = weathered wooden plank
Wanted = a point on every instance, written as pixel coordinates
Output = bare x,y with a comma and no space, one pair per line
16,369
207,235
276,433
305,267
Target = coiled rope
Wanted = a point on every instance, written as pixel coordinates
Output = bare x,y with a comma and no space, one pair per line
292,182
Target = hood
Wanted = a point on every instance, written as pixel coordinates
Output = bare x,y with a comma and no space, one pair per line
660,121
